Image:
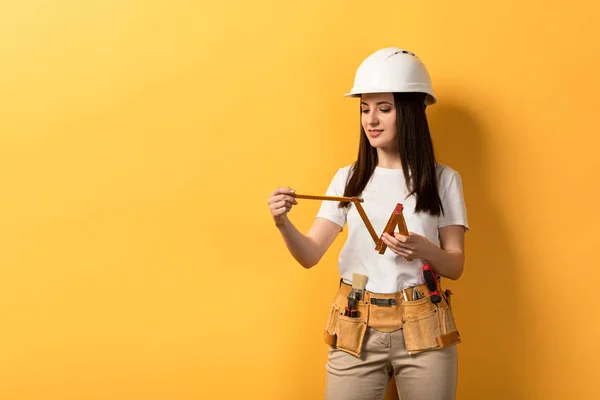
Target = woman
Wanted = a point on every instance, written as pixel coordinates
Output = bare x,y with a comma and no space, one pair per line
401,330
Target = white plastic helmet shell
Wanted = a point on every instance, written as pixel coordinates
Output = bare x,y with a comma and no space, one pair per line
392,70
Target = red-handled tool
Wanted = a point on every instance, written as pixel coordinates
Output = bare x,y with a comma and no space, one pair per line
351,310
431,280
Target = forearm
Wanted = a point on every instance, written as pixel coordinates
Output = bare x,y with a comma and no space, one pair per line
302,248
447,263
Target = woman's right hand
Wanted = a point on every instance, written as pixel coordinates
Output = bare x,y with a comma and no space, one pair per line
280,203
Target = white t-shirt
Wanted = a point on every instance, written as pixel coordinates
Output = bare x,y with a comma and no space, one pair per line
389,272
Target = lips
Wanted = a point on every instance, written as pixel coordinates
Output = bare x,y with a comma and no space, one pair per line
375,132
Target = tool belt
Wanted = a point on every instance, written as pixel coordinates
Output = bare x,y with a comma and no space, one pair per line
427,326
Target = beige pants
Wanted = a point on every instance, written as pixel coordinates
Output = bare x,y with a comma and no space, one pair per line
430,375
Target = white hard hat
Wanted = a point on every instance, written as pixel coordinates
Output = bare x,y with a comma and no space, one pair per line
392,70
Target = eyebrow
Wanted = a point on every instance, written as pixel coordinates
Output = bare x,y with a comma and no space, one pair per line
380,103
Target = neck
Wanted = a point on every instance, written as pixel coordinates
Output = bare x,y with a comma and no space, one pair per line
388,159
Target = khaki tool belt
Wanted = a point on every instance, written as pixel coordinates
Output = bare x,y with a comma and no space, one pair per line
426,326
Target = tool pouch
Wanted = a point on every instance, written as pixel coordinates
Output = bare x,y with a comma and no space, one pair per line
330,336
350,334
427,326
343,332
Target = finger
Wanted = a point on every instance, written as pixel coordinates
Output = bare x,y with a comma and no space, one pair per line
400,246
281,203
284,190
398,251
406,248
289,203
274,198
391,239
285,204
401,252
386,239
282,197
277,199
290,193
277,205
290,199
280,211
394,245
400,237
272,201
278,191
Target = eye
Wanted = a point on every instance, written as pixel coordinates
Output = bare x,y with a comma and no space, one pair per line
386,110
364,111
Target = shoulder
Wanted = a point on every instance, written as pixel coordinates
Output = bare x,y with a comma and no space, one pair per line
448,178
445,174
340,177
347,169
344,172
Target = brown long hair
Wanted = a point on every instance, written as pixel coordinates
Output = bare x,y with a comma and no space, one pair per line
416,153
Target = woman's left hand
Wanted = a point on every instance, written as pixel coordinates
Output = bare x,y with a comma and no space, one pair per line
413,245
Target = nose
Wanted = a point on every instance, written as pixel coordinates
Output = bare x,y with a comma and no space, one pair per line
372,119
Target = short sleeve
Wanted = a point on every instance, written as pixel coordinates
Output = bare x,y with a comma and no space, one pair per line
453,201
329,209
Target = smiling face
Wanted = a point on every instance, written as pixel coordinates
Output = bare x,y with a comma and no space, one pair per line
378,119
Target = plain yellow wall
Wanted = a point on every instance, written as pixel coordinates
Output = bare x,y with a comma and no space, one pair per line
140,141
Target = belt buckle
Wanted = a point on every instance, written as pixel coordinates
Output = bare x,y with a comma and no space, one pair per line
383,302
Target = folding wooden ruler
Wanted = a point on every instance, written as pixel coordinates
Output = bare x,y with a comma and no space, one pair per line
396,219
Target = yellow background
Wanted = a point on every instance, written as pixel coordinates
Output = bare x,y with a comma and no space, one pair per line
140,141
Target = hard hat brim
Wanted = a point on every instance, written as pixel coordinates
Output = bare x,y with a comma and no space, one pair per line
429,100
